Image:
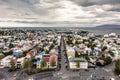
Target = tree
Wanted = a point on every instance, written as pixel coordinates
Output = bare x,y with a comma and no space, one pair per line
12,65
102,57
33,61
117,67
76,54
69,42
1,56
42,49
91,45
104,48
5,40
43,64
78,64
10,52
87,58
11,45
53,63
51,46
108,60
26,63
54,41
77,42
24,54
46,51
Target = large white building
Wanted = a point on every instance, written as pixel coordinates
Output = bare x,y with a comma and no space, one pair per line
73,63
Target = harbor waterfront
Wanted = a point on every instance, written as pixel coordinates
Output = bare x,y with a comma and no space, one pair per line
59,54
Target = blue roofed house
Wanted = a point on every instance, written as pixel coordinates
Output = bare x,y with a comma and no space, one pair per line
17,53
38,64
40,55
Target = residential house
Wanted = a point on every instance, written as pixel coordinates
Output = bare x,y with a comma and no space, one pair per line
70,52
38,64
46,58
30,54
5,62
17,53
40,55
53,58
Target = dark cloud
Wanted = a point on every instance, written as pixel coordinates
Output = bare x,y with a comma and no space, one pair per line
115,9
95,2
31,1
83,2
25,5
88,3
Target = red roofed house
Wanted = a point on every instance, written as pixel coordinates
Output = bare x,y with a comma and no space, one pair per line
53,58
30,54
82,49
46,58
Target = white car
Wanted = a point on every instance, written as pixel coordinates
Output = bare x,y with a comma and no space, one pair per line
112,79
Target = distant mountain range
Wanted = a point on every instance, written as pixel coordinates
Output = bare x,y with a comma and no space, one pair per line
108,26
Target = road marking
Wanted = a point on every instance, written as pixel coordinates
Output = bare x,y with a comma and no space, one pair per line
107,70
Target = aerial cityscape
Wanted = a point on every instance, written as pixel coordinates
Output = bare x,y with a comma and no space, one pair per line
59,40
58,54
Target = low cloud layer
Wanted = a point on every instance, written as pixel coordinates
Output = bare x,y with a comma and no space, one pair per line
59,12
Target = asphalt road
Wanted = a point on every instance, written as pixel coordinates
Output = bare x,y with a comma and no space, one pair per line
3,76
7,75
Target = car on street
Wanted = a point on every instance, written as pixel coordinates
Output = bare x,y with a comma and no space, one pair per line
90,65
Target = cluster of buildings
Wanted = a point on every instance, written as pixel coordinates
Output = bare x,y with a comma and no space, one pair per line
43,47
48,52
91,49
15,47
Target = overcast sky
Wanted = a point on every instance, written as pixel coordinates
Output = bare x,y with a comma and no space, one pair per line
82,13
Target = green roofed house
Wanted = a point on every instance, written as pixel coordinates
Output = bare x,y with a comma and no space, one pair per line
114,54
114,51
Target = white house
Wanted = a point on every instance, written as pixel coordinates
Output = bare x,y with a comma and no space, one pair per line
19,62
5,62
70,52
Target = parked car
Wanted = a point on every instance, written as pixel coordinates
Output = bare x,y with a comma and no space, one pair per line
100,64
90,65
10,70
86,69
